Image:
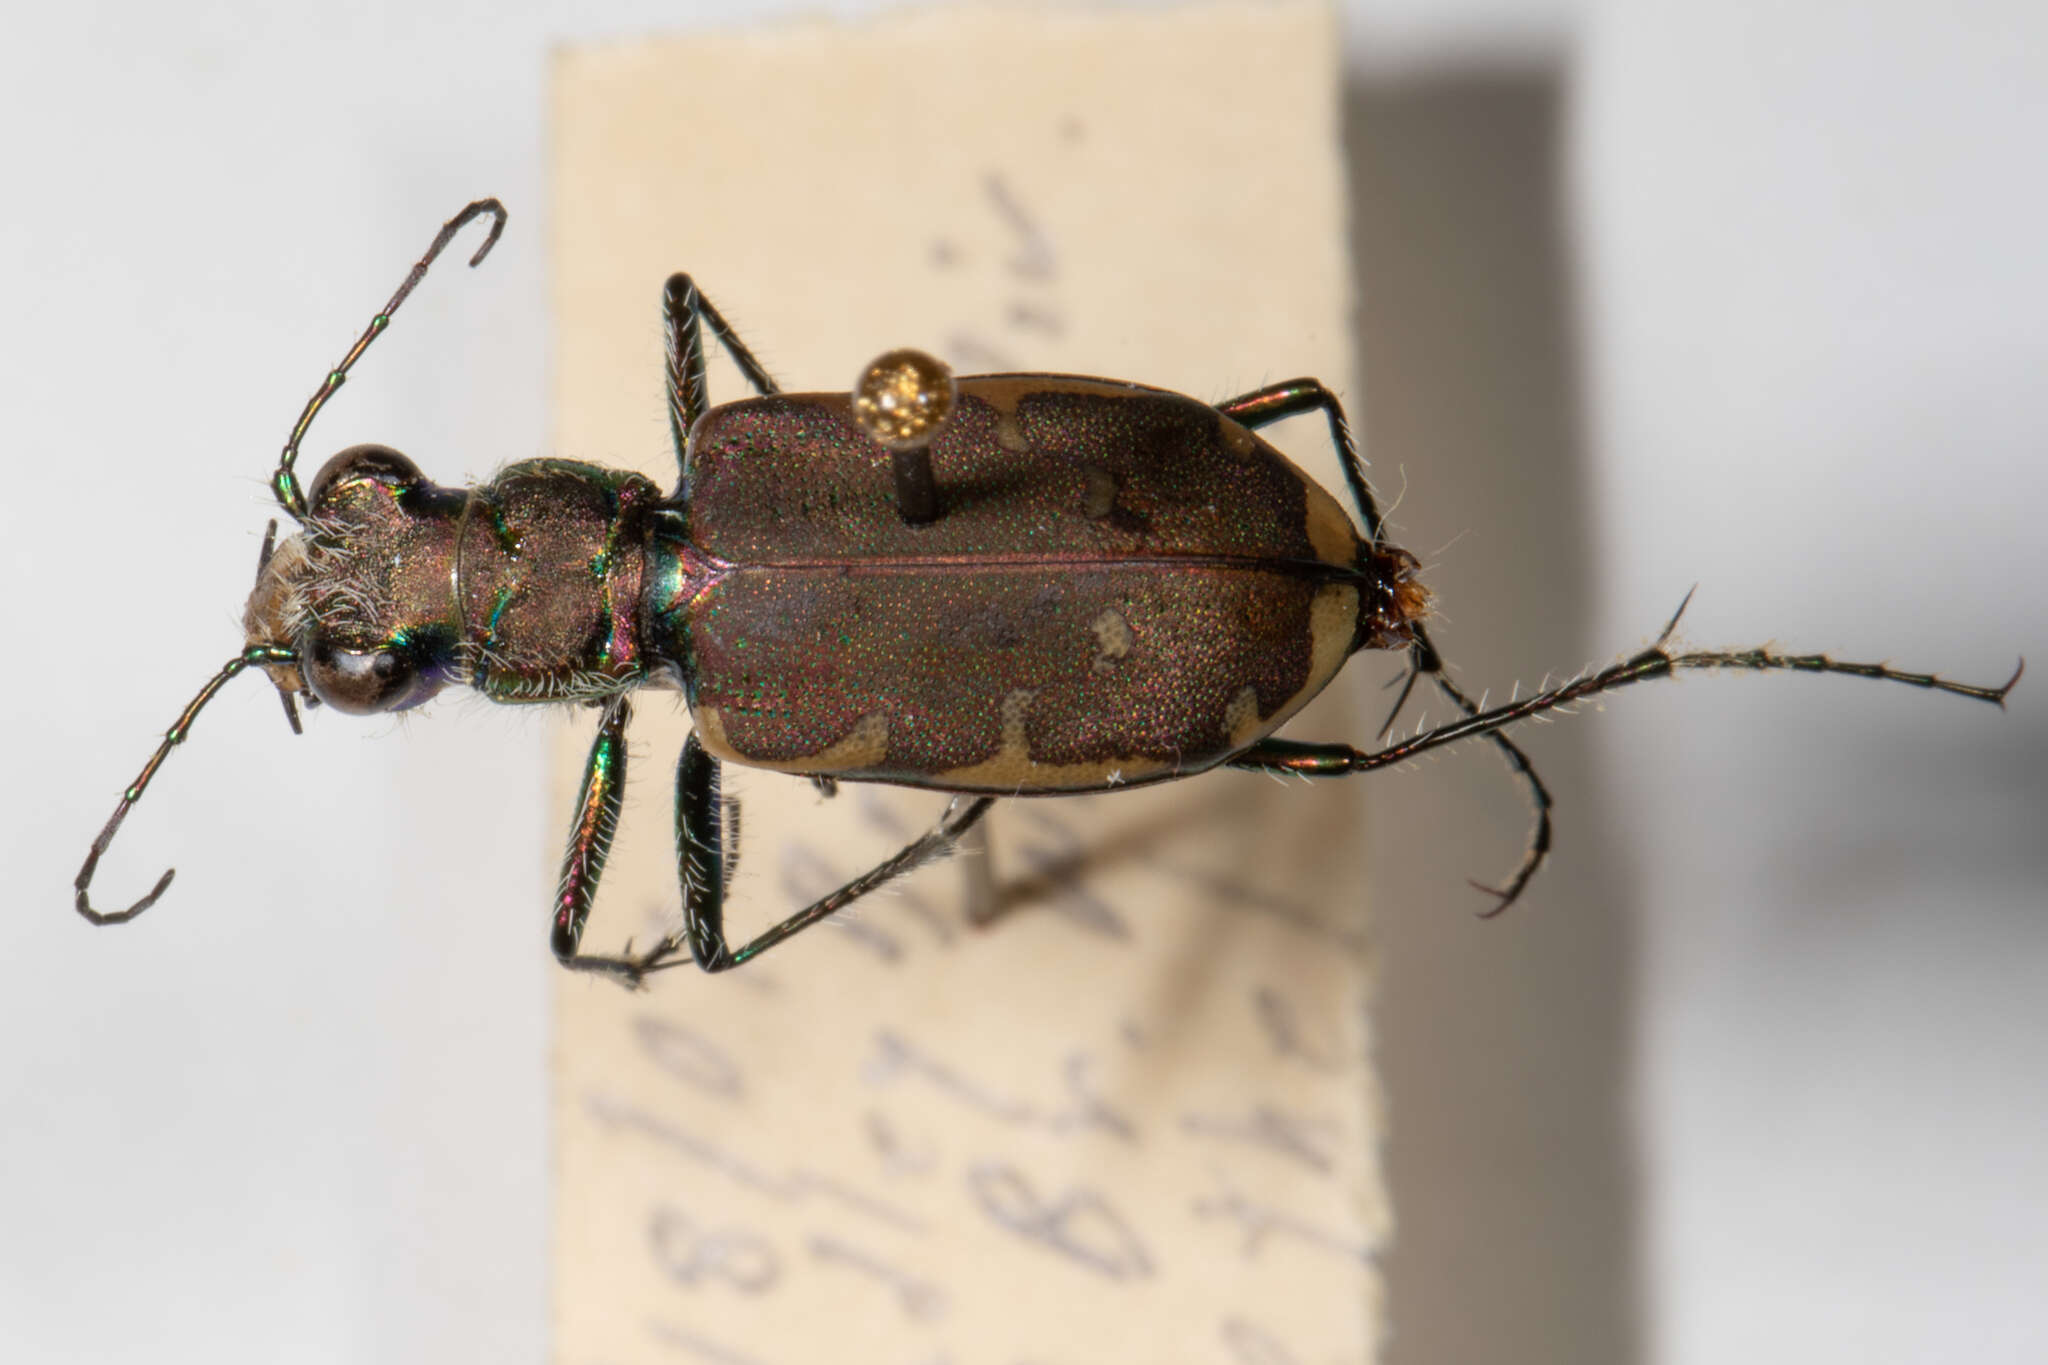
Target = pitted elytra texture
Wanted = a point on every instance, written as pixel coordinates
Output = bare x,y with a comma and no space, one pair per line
1136,572
1049,584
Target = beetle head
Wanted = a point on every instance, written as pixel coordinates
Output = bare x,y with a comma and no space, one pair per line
361,594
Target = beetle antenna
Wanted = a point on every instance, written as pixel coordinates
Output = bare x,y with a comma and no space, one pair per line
255,654
285,483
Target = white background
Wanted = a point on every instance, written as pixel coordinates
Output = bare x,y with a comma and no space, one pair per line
1746,295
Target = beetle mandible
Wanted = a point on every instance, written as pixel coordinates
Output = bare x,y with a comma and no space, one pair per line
1008,585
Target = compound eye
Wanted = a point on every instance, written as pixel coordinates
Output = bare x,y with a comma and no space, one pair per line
364,464
360,682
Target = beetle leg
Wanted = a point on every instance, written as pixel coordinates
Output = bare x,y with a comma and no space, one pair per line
1341,760
702,848
590,838
1297,396
1657,661
1262,407
705,822
1294,397
685,308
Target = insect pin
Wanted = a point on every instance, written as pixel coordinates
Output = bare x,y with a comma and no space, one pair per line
1001,585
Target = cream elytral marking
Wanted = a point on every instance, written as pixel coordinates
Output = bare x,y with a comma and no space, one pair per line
1113,639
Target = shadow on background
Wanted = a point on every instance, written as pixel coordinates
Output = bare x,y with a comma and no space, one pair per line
1504,1045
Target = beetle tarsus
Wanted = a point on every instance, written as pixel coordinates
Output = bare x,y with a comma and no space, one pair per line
2012,682
1407,683
1671,626
1503,896
1341,760
559,581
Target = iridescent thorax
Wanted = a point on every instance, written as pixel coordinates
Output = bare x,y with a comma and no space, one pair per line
1016,584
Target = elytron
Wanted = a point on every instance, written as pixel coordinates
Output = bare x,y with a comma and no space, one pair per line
1004,585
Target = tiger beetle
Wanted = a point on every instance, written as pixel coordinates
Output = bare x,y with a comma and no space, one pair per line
1004,585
